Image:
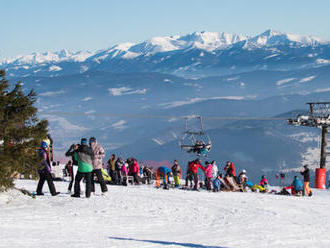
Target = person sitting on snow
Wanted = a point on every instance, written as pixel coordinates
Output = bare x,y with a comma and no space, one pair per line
296,186
264,183
165,173
242,177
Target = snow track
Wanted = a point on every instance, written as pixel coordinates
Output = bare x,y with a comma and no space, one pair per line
143,216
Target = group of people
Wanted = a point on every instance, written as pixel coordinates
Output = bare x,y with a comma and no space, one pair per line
88,157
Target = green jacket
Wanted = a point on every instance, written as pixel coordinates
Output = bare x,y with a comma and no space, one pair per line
84,156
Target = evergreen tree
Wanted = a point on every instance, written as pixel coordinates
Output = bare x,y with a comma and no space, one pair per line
20,132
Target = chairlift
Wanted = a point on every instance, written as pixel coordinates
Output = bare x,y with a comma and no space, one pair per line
195,140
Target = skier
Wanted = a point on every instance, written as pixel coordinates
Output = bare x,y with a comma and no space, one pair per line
176,171
74,162
44,171
98,155
84,155
208,174
165,173
305,173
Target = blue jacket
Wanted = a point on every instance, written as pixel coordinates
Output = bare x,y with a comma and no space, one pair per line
164,170
298,185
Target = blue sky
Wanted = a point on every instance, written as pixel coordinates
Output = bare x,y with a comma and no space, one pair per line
41,25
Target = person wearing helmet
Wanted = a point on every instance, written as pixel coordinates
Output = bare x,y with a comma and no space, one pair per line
98,152
84,155
305,173
44,171
242,177
164,172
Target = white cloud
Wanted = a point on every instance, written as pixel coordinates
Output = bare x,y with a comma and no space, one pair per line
64,124
87,99
120,125
126,91
322,90
283,81
197,99
159,142
307,79
52,93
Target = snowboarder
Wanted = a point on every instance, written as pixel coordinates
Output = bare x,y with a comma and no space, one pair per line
44,171
98,155
177,171
165,173
305,173
84,155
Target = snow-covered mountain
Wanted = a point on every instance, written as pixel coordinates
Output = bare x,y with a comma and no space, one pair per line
203,73
198,54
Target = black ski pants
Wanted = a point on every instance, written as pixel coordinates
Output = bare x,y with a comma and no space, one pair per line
195,180
46,176
72,179
79,177
135,177
100,179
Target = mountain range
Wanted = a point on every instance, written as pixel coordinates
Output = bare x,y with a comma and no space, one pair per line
116,95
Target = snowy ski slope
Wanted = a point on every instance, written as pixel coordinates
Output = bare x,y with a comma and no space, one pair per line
143,216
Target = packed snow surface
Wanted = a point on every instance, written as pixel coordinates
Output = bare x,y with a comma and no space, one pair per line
142,216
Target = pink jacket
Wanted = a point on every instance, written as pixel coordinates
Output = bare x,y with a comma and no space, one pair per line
98,155
208,171
124,170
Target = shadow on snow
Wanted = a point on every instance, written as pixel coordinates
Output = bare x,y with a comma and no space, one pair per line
167,243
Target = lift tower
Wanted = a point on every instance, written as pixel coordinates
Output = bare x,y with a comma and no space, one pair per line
319,116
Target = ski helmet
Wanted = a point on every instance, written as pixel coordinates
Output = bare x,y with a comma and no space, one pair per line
44,144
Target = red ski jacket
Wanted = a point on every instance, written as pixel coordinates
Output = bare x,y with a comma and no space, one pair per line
193,167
